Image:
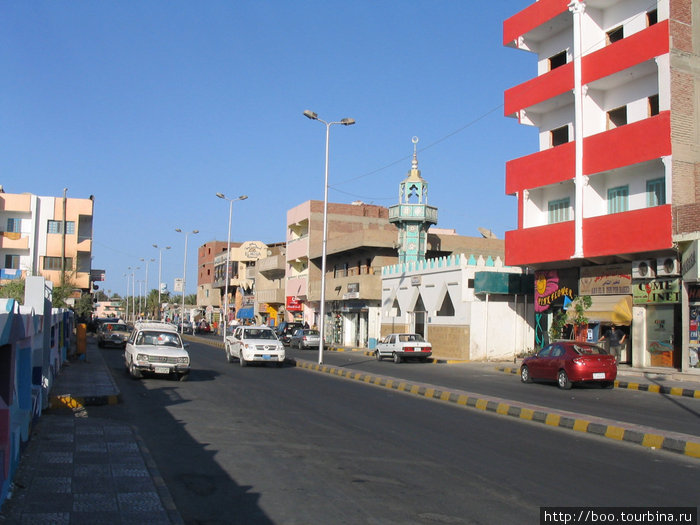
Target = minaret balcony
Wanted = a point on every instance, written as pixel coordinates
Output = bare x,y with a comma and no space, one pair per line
413,213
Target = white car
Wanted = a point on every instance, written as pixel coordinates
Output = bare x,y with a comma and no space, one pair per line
156,348
401,346
254,343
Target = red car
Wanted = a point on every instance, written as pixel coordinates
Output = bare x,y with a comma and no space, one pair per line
568,362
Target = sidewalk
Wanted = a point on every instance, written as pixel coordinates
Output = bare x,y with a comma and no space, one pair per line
77,469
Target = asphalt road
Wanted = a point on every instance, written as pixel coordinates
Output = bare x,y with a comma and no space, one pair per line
290,446
665,412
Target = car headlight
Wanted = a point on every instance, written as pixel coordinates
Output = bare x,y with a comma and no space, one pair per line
142,357
183,360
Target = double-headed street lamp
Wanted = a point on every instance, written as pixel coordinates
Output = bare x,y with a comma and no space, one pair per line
184,280
228,256
344,122
160,269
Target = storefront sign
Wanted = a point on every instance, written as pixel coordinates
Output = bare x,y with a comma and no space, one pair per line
294,304
353,287
248,300
689,263
252,250
551,286
613,279
657,291
415,280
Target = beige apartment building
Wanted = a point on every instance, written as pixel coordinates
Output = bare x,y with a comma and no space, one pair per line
46,236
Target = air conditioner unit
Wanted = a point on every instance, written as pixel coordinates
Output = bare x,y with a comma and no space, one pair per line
643,269
667,266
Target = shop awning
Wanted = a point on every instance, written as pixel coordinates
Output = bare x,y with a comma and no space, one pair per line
245,313
615,309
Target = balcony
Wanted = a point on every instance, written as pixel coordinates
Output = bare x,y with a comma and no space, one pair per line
273,296
625,55
84,244
536,22
634,143
298,249
273,266
631,232
14,241
370,288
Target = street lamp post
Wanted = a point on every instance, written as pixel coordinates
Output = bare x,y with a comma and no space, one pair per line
160,270
126,296
133,291
345,122
184,280
228,257
145,285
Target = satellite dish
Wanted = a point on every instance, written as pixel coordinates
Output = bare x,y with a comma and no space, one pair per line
487,234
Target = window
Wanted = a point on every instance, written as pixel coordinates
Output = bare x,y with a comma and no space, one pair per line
559,136
12,261
656,192
652,17
57,227
14,225
559,210
653,105
557,60
618,199
54,263
617,117
614,35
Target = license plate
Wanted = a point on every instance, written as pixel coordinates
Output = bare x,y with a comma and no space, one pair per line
598,375
267,357
162,370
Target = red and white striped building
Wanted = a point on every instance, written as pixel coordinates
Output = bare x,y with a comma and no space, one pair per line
610,204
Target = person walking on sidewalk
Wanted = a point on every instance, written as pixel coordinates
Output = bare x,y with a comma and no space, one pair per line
616,339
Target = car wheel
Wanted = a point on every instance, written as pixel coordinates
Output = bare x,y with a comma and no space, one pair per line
242,361
525,375
100,344
607,384
229,357
563,380
397,358
377,355
183,377
133,372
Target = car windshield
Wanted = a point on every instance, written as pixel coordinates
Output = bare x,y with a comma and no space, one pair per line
310,332
258,333
589,350
158,338
405,338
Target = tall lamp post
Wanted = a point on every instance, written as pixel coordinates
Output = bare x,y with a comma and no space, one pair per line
344,122
126,296
160,271
228,257
133,291
145,285
184,280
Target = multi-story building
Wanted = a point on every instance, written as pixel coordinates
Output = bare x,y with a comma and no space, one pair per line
209,297
609,203
46,236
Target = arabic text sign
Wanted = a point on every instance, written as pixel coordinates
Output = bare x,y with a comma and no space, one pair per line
613,279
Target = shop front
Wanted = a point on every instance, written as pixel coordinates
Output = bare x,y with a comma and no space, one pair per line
348,322
660,300
554,291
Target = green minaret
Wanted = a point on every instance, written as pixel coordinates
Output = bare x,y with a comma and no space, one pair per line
412,215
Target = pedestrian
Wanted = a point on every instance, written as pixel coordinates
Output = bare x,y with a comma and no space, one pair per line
615,338
306,325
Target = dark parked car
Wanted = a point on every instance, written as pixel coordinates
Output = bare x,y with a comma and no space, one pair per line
568,362
286,330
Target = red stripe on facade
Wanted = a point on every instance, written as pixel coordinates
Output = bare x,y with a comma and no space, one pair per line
535,90
541,168
630,51
631,144
531,17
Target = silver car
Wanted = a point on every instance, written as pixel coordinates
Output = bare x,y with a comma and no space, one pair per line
305,338
254,343
114,334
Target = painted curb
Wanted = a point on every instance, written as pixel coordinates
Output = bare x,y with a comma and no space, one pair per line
77,402
672,442
642,387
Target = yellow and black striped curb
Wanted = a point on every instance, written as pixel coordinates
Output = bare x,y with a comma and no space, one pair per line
78,402
642,387
646,437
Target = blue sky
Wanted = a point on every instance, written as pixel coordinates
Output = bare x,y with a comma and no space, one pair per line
154,107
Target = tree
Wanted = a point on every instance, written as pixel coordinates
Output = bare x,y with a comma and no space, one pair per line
84,306
13,290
